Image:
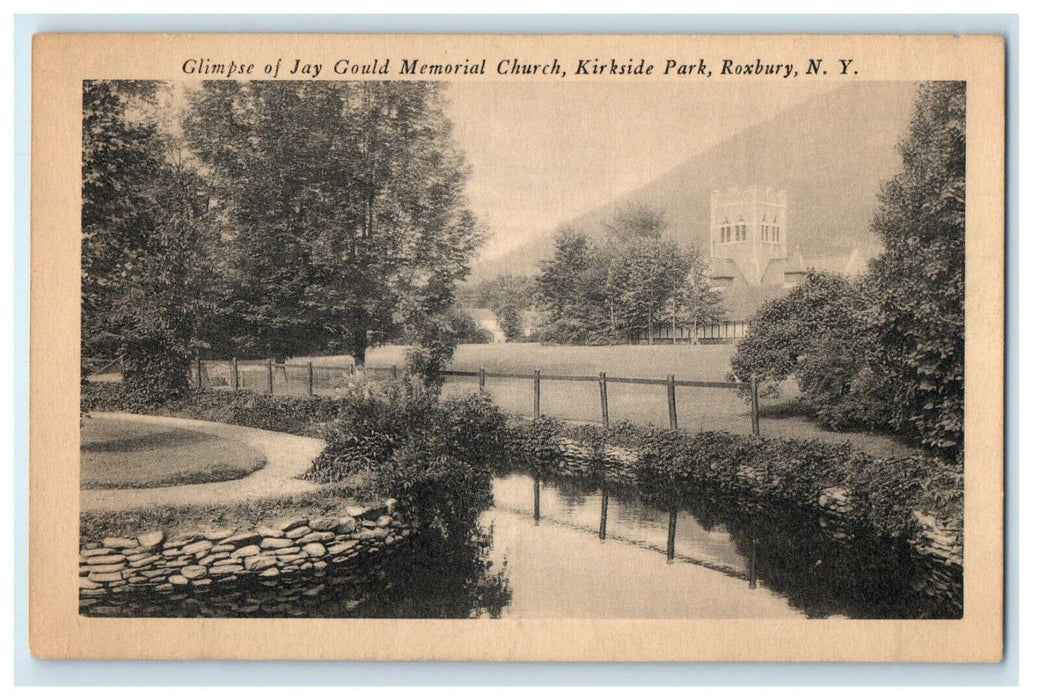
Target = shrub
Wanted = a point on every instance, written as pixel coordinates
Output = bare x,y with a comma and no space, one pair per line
673,467
369,426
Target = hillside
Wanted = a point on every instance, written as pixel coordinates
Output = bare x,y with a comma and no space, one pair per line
830,153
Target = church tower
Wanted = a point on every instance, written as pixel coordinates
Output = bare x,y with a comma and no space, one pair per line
749,227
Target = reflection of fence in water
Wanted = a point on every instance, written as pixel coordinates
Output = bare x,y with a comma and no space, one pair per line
750,574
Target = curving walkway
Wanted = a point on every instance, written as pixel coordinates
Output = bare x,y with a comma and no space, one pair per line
288,456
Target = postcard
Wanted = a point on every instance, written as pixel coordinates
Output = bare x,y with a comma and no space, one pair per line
517,347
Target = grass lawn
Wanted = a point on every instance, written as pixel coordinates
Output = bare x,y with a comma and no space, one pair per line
123,454
698,408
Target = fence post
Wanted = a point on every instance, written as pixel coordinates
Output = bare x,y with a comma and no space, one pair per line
537,494
603,512
603,399
483,381
310,379
754,406
234,373
393,372
753,574
198,371
673,518
537,393
270,376
673,416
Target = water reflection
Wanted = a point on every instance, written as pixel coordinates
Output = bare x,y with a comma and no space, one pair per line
558,567
817,568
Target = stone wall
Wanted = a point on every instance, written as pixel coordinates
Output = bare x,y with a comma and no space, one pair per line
119,572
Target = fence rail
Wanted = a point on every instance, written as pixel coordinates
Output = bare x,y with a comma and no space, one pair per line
266,375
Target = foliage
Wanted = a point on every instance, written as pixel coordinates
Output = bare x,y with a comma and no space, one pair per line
343,203
918,281
298,415
146,234
887,352
511,319
565,288
632,278
465,330
369,427
817,332
508,296
673,466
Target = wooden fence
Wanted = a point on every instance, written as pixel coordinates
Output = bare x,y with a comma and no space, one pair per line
262,377
304,378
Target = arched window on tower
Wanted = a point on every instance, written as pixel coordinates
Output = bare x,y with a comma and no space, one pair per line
725,234
741,229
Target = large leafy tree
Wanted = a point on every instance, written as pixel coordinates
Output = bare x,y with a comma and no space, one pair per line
346,218
918,280
571,288
144,228
647,276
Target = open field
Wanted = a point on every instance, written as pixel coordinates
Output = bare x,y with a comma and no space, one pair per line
701,362
131,455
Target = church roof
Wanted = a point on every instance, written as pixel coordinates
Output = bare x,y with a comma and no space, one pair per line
724,268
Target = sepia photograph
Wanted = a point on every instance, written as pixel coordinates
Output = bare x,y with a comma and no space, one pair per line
500,337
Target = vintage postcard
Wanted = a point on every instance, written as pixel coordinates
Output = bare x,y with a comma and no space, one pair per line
602,348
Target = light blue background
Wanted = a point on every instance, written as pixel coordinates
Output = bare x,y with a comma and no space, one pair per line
29,671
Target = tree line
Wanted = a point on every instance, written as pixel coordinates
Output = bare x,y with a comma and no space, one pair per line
271,219
609,288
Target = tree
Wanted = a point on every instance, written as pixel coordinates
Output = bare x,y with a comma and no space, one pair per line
508,296
697,303
887,352
786,333
645,272
646,276
917,283
144,234
571,288
345,205
609,290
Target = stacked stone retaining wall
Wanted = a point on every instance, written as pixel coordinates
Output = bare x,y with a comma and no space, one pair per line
290,554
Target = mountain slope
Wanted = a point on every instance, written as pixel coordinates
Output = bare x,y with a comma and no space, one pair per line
830,153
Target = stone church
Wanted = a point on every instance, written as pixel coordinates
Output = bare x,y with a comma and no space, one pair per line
751,261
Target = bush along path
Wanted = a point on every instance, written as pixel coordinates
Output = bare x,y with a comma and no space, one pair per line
916,502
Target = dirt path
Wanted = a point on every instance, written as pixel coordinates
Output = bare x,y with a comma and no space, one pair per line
288,456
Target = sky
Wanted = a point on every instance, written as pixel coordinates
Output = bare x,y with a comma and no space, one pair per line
543,153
